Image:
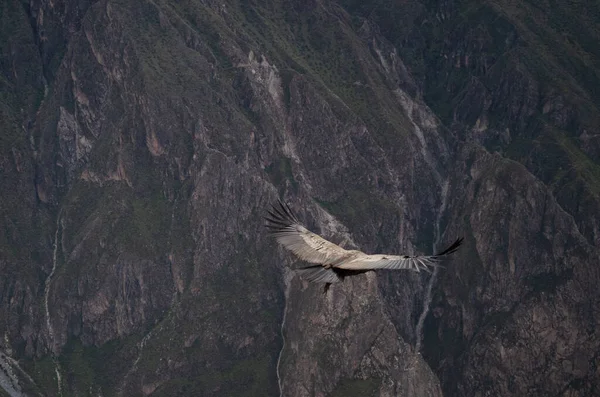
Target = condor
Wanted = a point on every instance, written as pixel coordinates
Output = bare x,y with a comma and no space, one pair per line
332,262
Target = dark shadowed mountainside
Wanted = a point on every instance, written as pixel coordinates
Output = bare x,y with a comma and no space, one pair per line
141,143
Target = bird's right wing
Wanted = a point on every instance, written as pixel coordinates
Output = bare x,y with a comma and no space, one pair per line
396,262
308,246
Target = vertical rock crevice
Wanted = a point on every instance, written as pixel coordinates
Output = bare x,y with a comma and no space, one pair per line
52,346
433,278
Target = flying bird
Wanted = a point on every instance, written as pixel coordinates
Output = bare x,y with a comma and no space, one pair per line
331,262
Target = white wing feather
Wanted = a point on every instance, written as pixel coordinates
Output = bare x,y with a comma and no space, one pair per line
395,262
307,245
416,263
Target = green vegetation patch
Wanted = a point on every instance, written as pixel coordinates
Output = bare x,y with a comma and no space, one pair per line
586,169
281,171
246,378
42,371
357,388
357,206
77,372
145,228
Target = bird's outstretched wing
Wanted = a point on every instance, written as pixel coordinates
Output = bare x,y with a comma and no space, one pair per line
308,246
416,263
330,259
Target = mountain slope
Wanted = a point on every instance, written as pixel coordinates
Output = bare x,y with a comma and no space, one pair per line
519,79
142,143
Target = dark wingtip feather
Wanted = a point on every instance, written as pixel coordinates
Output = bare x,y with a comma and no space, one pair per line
287,211
279,217
451,249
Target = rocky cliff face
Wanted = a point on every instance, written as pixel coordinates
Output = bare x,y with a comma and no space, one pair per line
141,144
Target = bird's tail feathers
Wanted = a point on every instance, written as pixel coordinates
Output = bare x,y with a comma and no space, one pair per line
318,274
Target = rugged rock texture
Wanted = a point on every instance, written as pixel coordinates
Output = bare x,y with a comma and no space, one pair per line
141,143
519,79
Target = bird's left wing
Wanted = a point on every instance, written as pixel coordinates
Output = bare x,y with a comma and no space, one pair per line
308,246
416,263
